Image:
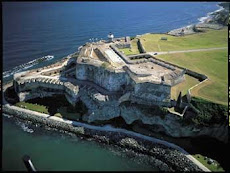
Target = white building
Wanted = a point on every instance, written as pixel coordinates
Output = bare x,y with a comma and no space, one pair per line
110,37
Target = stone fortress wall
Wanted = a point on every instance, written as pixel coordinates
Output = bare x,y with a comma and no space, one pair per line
192,73
125,44
126,80
121,85
143,54
110,80
174,79
42,86
121,81
140,46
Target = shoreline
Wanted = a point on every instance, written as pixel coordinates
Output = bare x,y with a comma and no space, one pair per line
210,21
116,136
203,19
113,136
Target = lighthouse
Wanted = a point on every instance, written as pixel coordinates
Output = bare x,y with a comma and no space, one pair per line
110,37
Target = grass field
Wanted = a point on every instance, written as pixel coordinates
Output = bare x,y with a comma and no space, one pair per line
60,108
213,167
208,39
183,86
33,107
134,49
211,63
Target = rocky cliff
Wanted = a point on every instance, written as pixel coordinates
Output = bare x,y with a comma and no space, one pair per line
155,119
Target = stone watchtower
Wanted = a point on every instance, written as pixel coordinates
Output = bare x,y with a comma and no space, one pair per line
110,37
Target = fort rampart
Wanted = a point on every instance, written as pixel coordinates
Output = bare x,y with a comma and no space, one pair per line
41,87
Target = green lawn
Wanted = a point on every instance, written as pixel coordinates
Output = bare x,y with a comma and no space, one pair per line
134,49
208,39
211,63
213,167
60,108
33,107
183,86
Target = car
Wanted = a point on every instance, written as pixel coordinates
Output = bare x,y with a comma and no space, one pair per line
155,54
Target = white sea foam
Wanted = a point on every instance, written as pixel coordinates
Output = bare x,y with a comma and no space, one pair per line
26,65
6,115
24,127
203,19
209,15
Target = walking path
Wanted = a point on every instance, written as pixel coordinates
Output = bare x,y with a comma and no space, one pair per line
185,51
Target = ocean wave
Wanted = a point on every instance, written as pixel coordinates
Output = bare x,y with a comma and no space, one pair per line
6,115
209,15
203,19
24,127
26,65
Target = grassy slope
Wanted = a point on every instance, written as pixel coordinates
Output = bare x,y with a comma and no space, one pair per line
211,63
214,168
61,112
183,87
209,39
33,107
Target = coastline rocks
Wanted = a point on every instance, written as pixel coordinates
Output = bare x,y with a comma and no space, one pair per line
215,20
209,25
183,31
219,17
104,113
130,142
123,140
170,124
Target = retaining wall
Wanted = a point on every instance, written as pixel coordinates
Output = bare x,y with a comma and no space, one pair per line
123,45
189,72
34,87
140,46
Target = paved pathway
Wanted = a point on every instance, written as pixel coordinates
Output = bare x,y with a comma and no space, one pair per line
183,51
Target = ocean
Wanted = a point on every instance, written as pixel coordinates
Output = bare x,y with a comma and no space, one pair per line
32,30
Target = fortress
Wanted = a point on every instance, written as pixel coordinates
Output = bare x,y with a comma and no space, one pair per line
102,77
139,78
136,88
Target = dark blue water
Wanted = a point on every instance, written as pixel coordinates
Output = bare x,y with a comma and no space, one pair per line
36,29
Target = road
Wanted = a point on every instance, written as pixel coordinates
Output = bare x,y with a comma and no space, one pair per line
185,51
